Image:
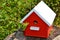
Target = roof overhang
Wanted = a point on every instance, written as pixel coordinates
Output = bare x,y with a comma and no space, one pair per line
44,12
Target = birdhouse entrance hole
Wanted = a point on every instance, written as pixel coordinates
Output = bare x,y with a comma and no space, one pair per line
35,22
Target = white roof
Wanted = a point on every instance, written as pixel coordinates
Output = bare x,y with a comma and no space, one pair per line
44,12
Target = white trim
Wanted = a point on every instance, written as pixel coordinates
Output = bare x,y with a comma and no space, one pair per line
26,16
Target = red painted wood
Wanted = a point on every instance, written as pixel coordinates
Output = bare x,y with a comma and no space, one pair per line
44,28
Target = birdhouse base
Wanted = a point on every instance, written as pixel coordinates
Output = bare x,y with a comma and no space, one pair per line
39,35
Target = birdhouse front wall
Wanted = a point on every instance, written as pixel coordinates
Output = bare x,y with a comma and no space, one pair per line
36,22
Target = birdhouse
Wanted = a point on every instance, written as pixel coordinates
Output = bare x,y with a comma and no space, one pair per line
40,20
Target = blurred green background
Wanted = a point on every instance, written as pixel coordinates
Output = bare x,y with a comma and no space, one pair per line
12,11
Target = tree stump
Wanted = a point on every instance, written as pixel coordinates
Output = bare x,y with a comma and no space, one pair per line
18,35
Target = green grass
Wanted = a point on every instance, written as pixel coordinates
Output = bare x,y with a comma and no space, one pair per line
12,11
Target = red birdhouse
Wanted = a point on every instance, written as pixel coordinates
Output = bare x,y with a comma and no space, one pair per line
40,20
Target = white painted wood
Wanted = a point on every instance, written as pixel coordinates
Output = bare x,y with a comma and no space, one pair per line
44,12
34,28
